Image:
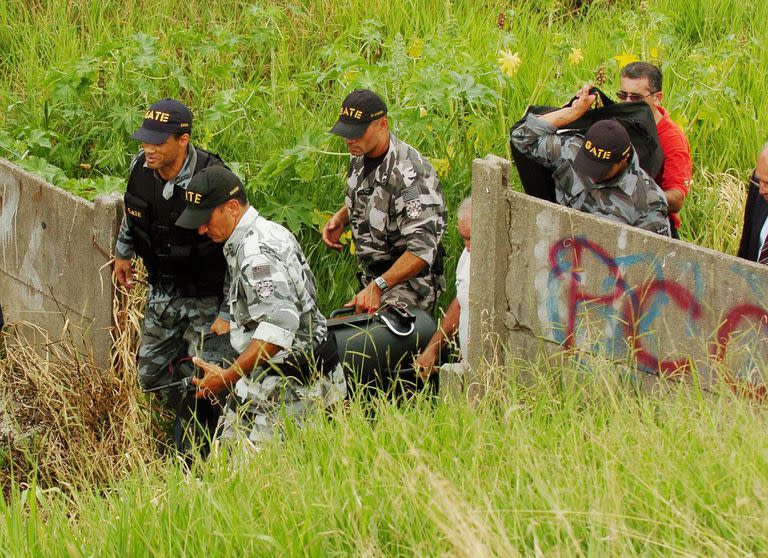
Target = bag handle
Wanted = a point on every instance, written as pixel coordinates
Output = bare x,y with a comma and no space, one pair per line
603,100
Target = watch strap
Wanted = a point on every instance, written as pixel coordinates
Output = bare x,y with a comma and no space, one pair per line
381,283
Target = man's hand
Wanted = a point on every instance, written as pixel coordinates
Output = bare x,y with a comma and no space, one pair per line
584,100
564,116
674,199
220,326
213,382
124,273
332,231
367,300
424,364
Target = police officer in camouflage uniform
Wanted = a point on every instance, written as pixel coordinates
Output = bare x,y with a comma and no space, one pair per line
288,364
394,206
598,173
186,272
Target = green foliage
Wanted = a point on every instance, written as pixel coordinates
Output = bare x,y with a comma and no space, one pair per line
577,464
265,79
571,466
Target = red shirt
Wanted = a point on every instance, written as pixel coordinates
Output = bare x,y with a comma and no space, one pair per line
678,167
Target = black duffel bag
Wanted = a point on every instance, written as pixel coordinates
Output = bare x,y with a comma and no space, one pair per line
637,119
377,350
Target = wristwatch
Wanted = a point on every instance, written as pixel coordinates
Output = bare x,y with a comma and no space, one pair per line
382,284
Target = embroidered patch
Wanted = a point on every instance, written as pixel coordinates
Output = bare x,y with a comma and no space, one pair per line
259,272
411,193
263,278
413,209
412,201
265,288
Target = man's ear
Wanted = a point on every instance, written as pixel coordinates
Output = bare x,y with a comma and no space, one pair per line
184,139
659,95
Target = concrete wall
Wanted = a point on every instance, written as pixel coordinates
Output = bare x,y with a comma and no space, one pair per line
53,251
552,278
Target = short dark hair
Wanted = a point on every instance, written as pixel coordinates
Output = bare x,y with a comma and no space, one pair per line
639,70
241,197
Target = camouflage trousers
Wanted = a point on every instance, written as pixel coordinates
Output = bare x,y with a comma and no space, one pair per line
173,326
260,406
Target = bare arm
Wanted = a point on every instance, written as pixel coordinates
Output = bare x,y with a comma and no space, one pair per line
406,266
536,137
566,115
427,359
334,227
217,379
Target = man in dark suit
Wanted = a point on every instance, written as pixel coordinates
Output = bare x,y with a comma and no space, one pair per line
753,245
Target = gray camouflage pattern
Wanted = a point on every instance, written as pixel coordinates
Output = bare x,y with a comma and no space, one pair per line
124,245
632,198
173,326
270,288
398,207
272,297
260,407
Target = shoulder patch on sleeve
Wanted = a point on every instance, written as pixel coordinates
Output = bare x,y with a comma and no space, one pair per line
412,199
259,272
261,277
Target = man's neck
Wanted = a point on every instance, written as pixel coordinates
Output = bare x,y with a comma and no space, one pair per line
381,150
657,116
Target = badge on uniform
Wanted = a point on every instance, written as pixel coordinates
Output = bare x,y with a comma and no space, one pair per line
263,278
412,199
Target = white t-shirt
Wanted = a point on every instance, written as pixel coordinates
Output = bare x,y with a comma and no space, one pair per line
462,295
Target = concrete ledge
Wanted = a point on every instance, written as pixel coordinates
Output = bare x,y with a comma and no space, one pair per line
582,283
53,251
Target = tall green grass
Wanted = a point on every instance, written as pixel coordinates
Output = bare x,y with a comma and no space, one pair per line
576,464
265,78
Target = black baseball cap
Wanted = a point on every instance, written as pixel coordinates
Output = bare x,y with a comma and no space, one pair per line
359,109
207,190
605,144
163,118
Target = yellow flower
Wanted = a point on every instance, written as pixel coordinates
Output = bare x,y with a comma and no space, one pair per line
509,62
422,112
576,56
346,237
442,166
624,59
350,75
416,48
450,150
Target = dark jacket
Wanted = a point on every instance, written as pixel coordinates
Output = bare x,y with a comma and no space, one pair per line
755,214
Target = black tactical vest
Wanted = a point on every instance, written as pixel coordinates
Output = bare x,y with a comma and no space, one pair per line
194,264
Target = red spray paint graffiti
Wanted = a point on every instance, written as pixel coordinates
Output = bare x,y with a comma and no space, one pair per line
566,257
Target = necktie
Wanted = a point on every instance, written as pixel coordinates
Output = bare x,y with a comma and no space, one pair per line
763,257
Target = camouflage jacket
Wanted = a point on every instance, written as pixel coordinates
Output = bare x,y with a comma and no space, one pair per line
270,288
398,207
632,198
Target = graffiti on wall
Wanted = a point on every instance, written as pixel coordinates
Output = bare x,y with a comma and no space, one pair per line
655,310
